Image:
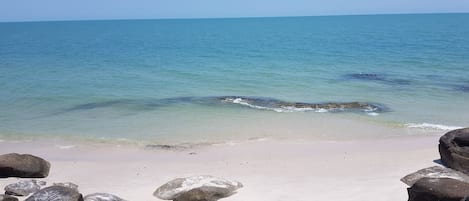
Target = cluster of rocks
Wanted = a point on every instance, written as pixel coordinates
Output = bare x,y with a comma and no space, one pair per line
29,166
450,183
196,188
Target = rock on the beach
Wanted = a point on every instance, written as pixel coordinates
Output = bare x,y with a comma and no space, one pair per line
102,197
7,198
56,193
24,188
454,150
439,189
197,188
23,165
68,185
435,172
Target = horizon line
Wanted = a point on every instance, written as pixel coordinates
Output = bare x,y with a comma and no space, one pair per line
242,17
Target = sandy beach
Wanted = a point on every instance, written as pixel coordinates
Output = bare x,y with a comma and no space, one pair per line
295,100
273,170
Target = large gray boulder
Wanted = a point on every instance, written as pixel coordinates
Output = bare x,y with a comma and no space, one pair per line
23,165
24,188
197,188
435,172
454,150
102,197
7,198
56,193
439,189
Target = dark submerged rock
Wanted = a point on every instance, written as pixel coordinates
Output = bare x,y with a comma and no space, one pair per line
399,82
24,188
197,188
454,150
23,165
366,76
278,105
462,88
439,189
379,78
56,193
7,198
253,102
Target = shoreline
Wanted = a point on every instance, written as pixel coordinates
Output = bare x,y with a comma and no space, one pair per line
289,127
361,170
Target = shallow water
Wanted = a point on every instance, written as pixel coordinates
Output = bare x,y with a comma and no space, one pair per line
125,79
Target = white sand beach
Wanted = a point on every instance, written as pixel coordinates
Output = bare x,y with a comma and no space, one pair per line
271,170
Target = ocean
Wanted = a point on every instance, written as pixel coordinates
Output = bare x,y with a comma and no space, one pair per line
201,79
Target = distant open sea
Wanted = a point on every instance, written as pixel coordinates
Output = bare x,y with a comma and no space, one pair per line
188,79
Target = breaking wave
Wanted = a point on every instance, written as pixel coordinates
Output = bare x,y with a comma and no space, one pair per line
245,101
432,126
282,106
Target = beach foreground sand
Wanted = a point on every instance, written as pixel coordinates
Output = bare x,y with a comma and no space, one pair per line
361,170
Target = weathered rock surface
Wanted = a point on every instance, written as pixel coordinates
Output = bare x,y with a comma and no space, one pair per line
68,185
197,188
435,172
439,189
454,150
23,165
7,198
102,197
24,188
56,193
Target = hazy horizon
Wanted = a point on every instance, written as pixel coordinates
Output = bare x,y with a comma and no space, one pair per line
242,17
70,10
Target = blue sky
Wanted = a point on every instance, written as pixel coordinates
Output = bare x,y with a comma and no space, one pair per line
40,10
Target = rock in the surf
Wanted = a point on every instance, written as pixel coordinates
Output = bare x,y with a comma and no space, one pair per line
439,189
278,105
167,147
335,106
454,150
197,188
56,193
102,197
435,172
23,165
24,188
8,198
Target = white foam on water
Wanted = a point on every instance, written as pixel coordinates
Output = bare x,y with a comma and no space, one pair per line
292,109
231,143
372,111
243,102
65,146
322,110
432,126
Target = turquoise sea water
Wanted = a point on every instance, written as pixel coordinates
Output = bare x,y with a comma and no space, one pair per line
156,79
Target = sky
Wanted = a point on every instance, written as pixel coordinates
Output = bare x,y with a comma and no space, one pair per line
45,10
